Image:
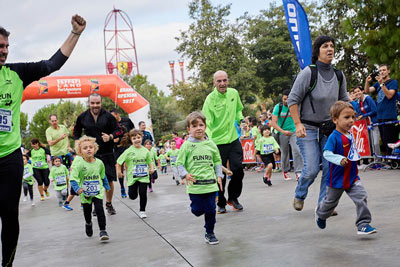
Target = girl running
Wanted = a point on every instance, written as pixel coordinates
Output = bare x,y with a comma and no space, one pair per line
27,180
59,175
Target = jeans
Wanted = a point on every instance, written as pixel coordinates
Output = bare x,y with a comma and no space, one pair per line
311,148
204,204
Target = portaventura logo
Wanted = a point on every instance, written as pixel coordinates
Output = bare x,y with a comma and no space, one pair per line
293,23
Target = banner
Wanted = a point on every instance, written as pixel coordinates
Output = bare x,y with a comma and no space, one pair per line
360,133
296,19
248,151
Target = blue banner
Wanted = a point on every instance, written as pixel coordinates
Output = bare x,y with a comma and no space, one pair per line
296,19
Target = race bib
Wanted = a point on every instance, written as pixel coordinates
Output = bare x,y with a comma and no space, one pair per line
91,188
140,170
163,161
173,159
5,120
61,180
268,148
38,164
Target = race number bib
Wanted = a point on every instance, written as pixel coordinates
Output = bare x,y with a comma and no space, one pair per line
5,120
61,180
38,164
140,170
163,161
268,148
173,159
91,188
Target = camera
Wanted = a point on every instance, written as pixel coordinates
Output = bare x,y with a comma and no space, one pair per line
373,74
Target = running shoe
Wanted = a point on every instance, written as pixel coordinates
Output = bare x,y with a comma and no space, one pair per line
25,199
221,210
211,239
41,198
67,207
177,182
47,193
32,203
298,204
366,230
265,180
123,193
110,209
151,190
286,176
235,204
320,223
269,182
89,229
142,215
276,170
104,236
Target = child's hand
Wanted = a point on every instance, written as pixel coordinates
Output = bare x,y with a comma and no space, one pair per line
189,178
219,180
80,191
182,181
229,172
344,162
276,151
120,175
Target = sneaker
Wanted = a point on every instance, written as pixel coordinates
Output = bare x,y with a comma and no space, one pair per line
47,193
221,210
286,176
60,203
298,176
151,190
94,214
211,239
298,204
276,170
104,236
334,213
142,215
269,182
89,229
67,207
366,230
177,182
235,204
25,199
32,203
110,209
321,223
41,198
123,193
265,180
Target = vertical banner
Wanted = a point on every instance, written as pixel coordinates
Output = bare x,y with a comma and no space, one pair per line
248,151
360,133
296,19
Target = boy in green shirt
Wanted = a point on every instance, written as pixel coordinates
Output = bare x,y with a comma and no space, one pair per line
172,156
199,162
163,161
27,180
266,146
59,175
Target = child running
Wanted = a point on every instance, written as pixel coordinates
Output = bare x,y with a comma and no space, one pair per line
154,159
200,164
163,161
27,180
172,156
267,145
88,181
59,175
138,162
341,152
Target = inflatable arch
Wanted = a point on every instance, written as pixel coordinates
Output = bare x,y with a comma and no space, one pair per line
110,86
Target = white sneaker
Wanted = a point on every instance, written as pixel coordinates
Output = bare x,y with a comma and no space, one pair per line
33,203
25,199
142,215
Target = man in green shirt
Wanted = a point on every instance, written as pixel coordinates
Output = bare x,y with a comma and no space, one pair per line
222,108
57,138
282,122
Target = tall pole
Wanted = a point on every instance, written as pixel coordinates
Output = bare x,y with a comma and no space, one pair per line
182,69
171,65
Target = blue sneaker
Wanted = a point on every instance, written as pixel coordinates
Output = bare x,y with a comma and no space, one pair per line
123,193
67,207
321,223
366,230
211,239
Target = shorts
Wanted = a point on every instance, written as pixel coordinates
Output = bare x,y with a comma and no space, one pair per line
109,164
41,176
267,159
72,191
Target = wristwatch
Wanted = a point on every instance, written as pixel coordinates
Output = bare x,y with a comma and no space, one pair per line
382,84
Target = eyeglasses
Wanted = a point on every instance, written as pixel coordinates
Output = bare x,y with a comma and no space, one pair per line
220,81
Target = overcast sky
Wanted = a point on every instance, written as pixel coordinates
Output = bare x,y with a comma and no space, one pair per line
38,28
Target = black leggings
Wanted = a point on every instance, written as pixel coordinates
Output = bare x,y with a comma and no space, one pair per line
41,176
98,207
28,187
133,193
11,172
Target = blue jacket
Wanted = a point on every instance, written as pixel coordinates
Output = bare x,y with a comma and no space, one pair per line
369,107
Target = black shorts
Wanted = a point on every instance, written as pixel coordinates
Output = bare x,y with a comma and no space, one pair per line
109,164
267,159
72,191
41,176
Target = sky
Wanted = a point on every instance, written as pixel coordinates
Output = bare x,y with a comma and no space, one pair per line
39,27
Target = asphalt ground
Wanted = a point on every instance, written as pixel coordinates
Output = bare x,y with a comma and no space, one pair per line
268,232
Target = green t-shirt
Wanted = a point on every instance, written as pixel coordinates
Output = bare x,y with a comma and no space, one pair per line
173,156
267,145
153,155
221,111
59,176
89,177
39,158
163,159
11,87
61,148
289,123
28,174
138,161
200,160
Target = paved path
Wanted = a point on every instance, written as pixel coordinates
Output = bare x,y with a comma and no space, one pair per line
269,232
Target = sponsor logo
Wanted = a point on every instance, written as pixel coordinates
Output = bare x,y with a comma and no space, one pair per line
94,85
43,87
291,8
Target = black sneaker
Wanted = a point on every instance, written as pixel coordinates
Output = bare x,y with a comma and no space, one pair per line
269,183
221,210
94,214
104,236
177,182
211,239
235,204
110,209
89,229
265,180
